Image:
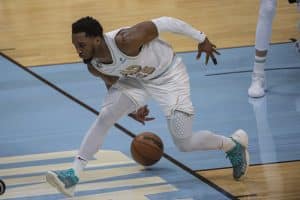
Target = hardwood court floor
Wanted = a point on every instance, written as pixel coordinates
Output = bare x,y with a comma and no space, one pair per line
37,32
268,181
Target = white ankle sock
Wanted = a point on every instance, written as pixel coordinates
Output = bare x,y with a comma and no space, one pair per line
259,64
227,144
78,165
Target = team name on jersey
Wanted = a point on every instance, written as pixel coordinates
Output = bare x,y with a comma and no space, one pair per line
137,71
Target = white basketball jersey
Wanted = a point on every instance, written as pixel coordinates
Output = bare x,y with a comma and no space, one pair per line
154,59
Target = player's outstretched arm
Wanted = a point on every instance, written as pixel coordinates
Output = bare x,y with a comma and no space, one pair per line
169,24
130,40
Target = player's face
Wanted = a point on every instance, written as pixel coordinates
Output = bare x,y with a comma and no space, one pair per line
85,46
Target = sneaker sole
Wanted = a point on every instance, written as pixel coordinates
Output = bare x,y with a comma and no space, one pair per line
54,181
255,95
241,137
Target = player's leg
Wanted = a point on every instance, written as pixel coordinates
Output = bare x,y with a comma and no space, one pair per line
116,105
262,39
295,41
174,97
180,126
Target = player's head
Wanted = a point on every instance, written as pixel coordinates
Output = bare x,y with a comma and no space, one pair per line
87,33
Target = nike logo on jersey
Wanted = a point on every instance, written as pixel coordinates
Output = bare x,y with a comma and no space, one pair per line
123,60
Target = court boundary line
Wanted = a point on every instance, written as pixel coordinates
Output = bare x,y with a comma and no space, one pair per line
126,131
7,49
247,195
179,52
246,71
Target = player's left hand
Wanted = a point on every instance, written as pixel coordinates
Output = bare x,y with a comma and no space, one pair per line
210,49
141,115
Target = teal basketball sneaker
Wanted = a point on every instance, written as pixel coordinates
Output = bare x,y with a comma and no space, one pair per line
239,155
64,181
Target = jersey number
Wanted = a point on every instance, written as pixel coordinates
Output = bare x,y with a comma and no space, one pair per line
138,71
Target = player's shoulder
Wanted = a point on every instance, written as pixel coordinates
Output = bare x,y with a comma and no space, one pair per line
114,33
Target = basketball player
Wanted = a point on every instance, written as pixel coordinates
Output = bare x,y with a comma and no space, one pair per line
262,38
135,65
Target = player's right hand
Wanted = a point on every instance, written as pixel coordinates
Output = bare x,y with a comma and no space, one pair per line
210,49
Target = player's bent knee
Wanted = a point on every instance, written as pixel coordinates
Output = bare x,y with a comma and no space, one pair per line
112,110
107,117
180,126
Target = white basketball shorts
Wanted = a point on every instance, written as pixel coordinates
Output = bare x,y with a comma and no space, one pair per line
171,89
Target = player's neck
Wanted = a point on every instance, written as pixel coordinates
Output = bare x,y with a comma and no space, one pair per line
103,53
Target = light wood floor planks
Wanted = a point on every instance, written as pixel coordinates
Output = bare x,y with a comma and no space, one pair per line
271,181
37,32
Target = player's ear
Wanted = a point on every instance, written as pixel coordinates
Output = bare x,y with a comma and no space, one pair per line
97,40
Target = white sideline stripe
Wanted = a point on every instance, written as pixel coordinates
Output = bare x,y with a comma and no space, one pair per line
131,194
56,155
45,168
35,157
46,189
108,158
86,175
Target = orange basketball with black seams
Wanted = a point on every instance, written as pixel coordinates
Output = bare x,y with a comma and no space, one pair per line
147,148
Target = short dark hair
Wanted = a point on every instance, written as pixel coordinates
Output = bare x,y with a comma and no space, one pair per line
90,26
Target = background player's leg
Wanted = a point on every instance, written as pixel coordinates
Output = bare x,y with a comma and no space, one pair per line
262,39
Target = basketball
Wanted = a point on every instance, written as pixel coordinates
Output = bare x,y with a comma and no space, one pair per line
147,148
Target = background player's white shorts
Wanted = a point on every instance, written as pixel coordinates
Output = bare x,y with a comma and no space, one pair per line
171,89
